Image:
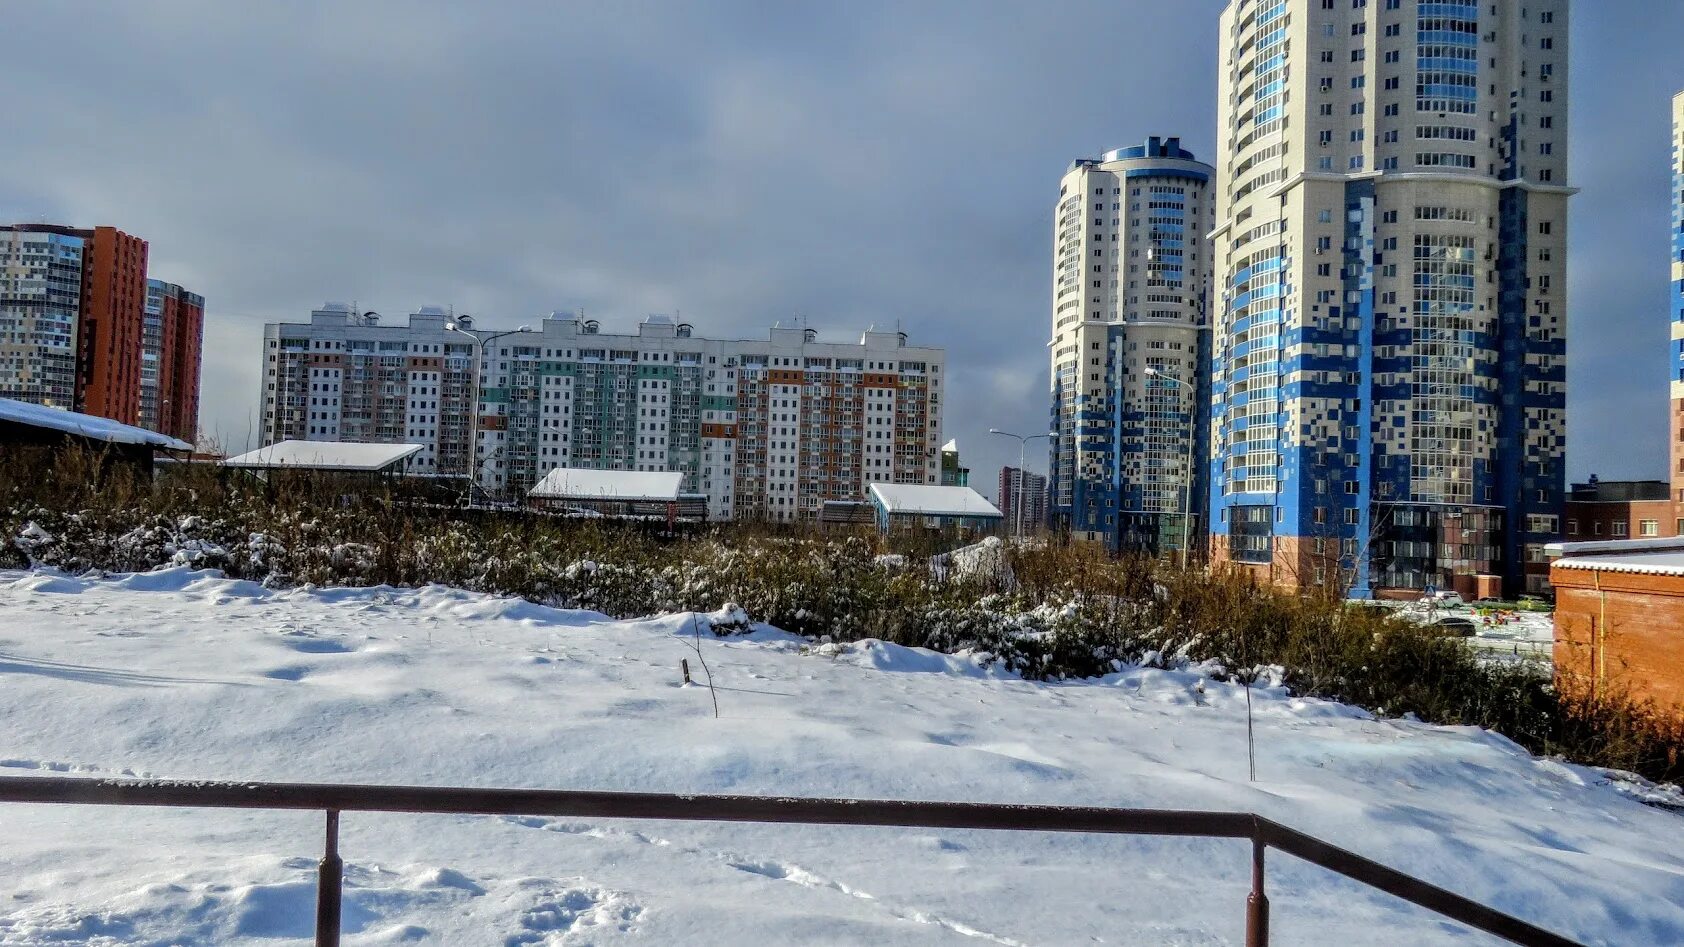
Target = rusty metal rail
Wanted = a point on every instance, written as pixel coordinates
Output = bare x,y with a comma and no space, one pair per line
334,799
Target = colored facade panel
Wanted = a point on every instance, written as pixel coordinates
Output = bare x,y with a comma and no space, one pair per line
1130,352
1389,364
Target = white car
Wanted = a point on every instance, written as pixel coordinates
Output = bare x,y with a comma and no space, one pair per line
1444,600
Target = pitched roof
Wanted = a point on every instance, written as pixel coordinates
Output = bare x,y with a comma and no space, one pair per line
85,425
577,483
324,455
929,500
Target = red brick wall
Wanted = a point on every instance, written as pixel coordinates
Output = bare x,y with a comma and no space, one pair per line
1590,517
1620,632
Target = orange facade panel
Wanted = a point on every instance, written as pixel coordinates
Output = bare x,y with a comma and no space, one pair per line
785,376
880,380
493,422
728,431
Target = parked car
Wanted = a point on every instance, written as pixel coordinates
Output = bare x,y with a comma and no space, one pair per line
1454,627
1443,600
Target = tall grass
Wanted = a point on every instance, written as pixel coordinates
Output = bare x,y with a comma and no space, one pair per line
1046,612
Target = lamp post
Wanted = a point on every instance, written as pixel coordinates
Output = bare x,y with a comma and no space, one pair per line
1017,504
1187,485
473,414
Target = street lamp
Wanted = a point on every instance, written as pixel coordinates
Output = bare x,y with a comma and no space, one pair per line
1187,484
473,415
1017,504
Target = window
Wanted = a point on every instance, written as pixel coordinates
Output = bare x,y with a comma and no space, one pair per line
1620,528
1649,528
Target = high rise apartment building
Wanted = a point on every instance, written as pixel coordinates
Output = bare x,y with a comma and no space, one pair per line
1034,494
40,297
172,336
1677,344
1389,367
762,428
108,337
1130,349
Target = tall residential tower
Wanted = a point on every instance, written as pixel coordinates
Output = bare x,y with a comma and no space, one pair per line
1389,376
1130,346
1677,432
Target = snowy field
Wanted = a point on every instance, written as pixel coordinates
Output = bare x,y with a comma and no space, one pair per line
186,675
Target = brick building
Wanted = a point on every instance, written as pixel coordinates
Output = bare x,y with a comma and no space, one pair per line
171,341
1620,509
1619,620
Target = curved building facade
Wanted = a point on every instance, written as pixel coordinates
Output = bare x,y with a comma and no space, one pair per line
1389,375
1130,346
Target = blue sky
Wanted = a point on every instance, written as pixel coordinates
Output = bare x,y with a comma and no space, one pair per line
743,162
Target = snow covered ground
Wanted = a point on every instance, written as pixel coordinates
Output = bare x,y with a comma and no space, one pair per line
187,675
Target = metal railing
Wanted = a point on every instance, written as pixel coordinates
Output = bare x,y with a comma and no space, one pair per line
335,799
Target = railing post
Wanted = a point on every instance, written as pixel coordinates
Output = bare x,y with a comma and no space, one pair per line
1257,904
329,882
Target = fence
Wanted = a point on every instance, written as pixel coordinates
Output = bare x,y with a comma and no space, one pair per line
335,799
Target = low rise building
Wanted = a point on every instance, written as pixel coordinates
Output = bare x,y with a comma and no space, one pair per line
1620,509
1619,619
934,508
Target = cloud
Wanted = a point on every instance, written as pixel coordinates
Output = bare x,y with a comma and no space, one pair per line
744,162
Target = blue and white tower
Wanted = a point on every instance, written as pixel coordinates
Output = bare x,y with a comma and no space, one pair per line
1131,349
1389,379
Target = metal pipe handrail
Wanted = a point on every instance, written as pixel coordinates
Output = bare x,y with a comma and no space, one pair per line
334,799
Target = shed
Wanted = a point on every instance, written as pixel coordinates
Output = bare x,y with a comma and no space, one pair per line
1619,619
27,425
630,494
928,506
326,457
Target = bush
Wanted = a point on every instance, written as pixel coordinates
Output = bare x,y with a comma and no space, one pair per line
1044,612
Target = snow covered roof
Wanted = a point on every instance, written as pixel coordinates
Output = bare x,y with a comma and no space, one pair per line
324,455
577,483
921,499
1643,563
85,425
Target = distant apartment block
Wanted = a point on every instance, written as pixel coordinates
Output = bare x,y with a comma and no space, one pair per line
77,330
1034,487
344,376
172,338
40,299
1131,347
763,428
